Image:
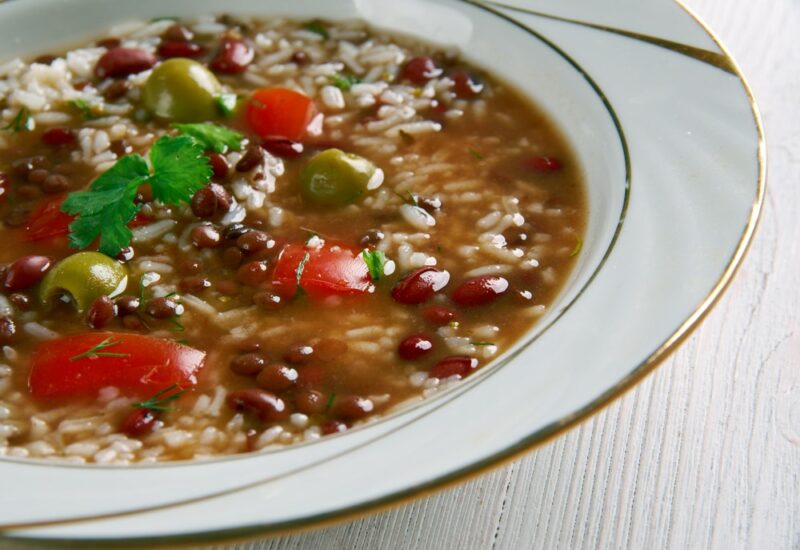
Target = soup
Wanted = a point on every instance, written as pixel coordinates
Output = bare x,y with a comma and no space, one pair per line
226,235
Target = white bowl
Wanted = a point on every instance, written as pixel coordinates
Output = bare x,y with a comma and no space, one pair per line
672,150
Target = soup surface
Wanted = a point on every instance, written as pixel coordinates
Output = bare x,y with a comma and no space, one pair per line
223,235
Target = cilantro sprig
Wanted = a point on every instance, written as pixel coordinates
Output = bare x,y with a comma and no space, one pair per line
375,260
212,136
179,168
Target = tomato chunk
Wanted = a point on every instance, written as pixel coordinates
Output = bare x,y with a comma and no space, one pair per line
278,113
332,269
136,364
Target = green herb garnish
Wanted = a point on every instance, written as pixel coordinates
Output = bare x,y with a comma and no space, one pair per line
176,325
408,198
212,136
179,169
475,154
95,351
577,249
331,399
227,104
300,267
318,28
86,109
22,122
483,343
158,402
375,260
343,81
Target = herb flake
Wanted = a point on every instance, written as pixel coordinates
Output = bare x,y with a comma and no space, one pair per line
159,401
96,350
22,122
483,343
317,28
577,249
300,267
475,154
85,109
343,81
375,260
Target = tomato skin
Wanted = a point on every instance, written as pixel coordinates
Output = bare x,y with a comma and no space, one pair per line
279,113
49,222
149,365
332,269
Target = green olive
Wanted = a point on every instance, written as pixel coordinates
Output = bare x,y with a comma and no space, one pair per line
335,178
84,276
182,90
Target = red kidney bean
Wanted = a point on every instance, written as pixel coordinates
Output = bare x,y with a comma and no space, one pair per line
235,230
38,175
139,423
351,407
253,273
415,346
101,313
233,57
116,90
248,364
20,301
118,62
460,365
439,315
219,165
276,377
162,308
420,285
480,290
310,402
372,237
465,86
299,354
332,427
542,164
128,304
26,272
55,183
227,287
204,203
232,257
283,148
178,33
23,166
266,406
194,284
300,57
311,377
173,48
268,300
8,329
250,346
56,137
126,254
45,59
420,70
205,236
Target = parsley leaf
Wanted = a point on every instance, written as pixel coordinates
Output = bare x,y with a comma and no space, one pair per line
212,136
227,104
106,209
22,122
475,154
318,28
343,82
375,260
179,169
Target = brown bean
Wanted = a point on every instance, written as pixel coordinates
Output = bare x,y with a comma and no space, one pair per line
276,377
219,165
224,200
250,346
55,183
101,313
37,175
253,273
252,241
351,407
232,257
116,90
194,284
233,57
206,236
163,308
138,423
45,59
204,203
128,304
23,166
248,364
120,147
266,406
8,330
227,287
20,301
125,254
311,402
57,137
332,427
118,62
268,300
190,266
253,156
178,33
372,237
235,230
300,57
26,272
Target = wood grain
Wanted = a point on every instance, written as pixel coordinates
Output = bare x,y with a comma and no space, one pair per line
706,452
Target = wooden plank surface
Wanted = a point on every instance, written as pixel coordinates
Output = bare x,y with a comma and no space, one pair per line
706,452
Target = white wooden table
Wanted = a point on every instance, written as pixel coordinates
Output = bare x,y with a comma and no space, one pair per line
706,452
